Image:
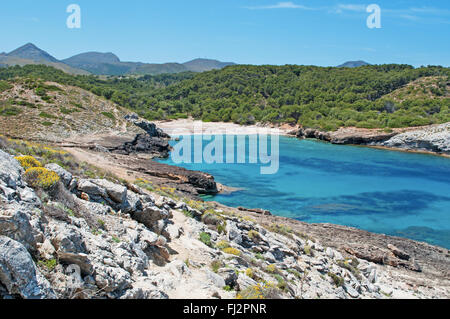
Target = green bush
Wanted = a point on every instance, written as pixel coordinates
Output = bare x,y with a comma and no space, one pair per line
205,238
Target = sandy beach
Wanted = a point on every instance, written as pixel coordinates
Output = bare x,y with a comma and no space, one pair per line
193,127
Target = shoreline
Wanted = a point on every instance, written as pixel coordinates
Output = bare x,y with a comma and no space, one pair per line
197,127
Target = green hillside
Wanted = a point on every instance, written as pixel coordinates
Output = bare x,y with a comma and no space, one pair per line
326,98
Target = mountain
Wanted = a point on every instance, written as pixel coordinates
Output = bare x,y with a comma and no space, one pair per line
31,52
99,63
109,64
201,65
6,61
93,57
353,64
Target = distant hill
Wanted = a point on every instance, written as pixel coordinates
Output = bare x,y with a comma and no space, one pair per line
201,65
93,57
102,63
353,64
6,61
31,52
109,64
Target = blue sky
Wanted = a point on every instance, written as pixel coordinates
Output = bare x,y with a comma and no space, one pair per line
318,32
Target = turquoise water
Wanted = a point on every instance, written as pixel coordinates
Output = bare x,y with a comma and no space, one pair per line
394,193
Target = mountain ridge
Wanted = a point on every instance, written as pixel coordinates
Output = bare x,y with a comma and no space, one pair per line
30,51
353,64
99,63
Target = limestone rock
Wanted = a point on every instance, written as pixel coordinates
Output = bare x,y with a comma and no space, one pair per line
19,274
117,193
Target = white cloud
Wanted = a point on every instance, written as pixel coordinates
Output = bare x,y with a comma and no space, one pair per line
352,7
280,5
416,14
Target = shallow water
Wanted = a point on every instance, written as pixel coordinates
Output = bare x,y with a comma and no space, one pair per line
394,193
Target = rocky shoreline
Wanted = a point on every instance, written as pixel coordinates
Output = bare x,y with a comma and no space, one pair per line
130,242
433,139
150,237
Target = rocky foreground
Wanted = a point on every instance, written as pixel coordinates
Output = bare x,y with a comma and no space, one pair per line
95,238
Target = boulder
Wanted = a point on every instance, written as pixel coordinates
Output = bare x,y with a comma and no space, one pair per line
10,171
150,215
234,234
19,274
245,282
229,275
351,291
88,187
118,193
67,239
398,252
217,280
15,224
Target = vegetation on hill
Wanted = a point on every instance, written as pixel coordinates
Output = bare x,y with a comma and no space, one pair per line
326,98
33,108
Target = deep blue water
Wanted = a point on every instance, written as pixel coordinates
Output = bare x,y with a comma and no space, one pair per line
394,193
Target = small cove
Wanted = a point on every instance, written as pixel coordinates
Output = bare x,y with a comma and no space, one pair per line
395,193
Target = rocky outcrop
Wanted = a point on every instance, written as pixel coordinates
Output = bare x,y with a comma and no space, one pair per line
153,142
83,237
148,127
346,136
434,138
18,273
146,144
431,139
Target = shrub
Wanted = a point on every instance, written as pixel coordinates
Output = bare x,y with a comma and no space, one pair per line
216,265
281,229
49,264
260,291
249,272
47,116
28,162
232,251
222,228
272,269
351,265
39,177
259,256
338,280
253,235
115,239
9,111
109,115
308,250
205,238
223,244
